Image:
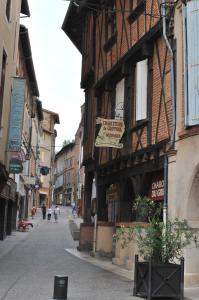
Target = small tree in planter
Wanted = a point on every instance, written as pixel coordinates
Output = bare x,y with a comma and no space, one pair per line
161,246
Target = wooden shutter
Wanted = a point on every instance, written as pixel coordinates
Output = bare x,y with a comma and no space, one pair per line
192,60
119,100
141,89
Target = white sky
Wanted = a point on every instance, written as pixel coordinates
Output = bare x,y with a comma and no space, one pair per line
57,65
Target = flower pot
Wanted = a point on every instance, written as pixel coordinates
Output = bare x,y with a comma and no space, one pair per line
152,280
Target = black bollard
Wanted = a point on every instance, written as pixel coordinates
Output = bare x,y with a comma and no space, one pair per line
60,287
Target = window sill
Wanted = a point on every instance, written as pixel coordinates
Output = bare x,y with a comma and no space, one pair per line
111,41
137,11
188,132
139,124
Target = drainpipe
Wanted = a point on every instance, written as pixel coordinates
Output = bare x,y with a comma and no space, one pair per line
173,99
165,203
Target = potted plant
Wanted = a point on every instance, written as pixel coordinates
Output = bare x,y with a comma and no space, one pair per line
160,244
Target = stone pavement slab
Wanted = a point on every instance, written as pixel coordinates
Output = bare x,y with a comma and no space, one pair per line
189,293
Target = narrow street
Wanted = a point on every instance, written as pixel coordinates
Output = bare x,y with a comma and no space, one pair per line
27,271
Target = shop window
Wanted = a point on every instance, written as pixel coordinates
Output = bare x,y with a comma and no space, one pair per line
3,73
141,89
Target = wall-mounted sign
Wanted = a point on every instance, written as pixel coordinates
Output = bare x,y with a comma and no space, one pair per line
15,166
110,133
111,194
156,191
16,115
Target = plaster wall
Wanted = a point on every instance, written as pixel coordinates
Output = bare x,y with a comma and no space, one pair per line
8,43
183,170
104,237
183,198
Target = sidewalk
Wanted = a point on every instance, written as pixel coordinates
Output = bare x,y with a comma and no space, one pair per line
17,236
189,293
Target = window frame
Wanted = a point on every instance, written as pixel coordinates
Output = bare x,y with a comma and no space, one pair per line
141,106
120,116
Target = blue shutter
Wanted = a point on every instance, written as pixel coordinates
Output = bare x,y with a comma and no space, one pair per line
192,62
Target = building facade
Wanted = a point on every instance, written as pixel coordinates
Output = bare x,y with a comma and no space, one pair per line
139,72
69,174
47,157
65,175
31,126
9,36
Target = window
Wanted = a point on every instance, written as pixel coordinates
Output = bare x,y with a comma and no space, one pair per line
192,63
42,156
8,6
3,73
119,99
141,89
68,178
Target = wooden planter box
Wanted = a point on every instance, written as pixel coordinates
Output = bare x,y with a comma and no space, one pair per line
165,281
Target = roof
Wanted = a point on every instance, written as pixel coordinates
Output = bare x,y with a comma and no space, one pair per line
56,116
64,149
25,8
26,48
73,24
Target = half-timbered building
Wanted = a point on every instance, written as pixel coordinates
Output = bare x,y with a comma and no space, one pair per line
129,69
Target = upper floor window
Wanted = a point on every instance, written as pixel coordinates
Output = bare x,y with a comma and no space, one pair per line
119,99
141,89
192,64
8,8
3,74
68,162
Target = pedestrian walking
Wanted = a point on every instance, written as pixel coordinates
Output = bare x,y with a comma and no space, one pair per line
49,213
56,211
33,212
43,208
73,205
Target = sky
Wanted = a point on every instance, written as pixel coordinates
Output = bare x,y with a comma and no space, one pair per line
57,65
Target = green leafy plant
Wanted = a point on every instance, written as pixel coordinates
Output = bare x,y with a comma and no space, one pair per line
161,242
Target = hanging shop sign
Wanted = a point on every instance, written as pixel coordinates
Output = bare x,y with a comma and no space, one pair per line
18,155
110,133
16,116
44,171
29,180
156,191
15,166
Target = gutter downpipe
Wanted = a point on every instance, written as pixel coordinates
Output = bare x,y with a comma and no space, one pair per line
173,100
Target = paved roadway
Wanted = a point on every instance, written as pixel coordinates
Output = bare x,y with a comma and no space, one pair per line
30,260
